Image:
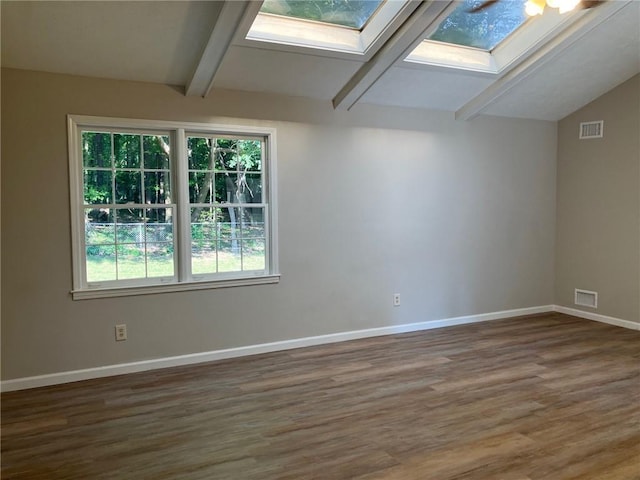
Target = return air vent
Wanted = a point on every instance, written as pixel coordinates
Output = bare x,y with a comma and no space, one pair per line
591,129
585,298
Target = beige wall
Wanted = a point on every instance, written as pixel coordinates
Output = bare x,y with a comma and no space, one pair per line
458,217
598,230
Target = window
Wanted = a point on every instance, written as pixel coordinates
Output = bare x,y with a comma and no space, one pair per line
227,215
345,27
484,29
158,206
347,13
127,208
497,41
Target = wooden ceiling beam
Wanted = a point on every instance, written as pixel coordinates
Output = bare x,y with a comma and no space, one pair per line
232,15
403,41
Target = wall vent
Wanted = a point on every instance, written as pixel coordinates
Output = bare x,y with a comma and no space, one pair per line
591,129
585,298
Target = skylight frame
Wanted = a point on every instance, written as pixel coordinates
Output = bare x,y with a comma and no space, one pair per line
335,40
515,48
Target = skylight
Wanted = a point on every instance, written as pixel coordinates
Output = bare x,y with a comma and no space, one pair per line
341,27
484,29
347,13
499,36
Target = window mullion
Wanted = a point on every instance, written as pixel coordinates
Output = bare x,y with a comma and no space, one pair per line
183,221
112,159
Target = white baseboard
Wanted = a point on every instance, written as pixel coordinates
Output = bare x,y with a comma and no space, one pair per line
597,317
133,367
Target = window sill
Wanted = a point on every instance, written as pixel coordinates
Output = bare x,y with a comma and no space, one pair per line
174,287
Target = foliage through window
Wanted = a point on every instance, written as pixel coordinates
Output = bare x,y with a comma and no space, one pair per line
347,13
152,214
128,207
484,29
225,199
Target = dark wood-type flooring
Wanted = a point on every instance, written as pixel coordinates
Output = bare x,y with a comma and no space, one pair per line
548,397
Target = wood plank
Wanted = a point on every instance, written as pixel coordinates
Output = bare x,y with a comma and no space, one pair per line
546,397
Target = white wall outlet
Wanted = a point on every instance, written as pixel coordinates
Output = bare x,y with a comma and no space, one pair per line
121,332
396,299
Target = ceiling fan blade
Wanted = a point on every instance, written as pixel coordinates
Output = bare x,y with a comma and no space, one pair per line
590,3
482,6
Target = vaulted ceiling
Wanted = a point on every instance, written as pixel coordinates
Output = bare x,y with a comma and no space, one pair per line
202,45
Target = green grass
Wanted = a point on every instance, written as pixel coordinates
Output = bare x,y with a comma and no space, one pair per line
104,269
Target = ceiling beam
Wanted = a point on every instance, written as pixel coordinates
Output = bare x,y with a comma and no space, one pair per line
405,39
541,57
232,14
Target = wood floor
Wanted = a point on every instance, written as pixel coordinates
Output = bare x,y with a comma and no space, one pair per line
549,397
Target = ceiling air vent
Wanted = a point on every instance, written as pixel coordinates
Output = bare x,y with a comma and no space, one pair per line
591,129
586,298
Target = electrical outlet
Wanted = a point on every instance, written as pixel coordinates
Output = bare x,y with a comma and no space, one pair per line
396,299
121,332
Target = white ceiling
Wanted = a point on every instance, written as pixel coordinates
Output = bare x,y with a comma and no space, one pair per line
426,87
296,74
166,42
156,42
587,69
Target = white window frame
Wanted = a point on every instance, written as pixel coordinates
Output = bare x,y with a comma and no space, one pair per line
183,279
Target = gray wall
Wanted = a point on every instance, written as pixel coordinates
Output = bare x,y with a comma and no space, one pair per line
598,231
458,217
